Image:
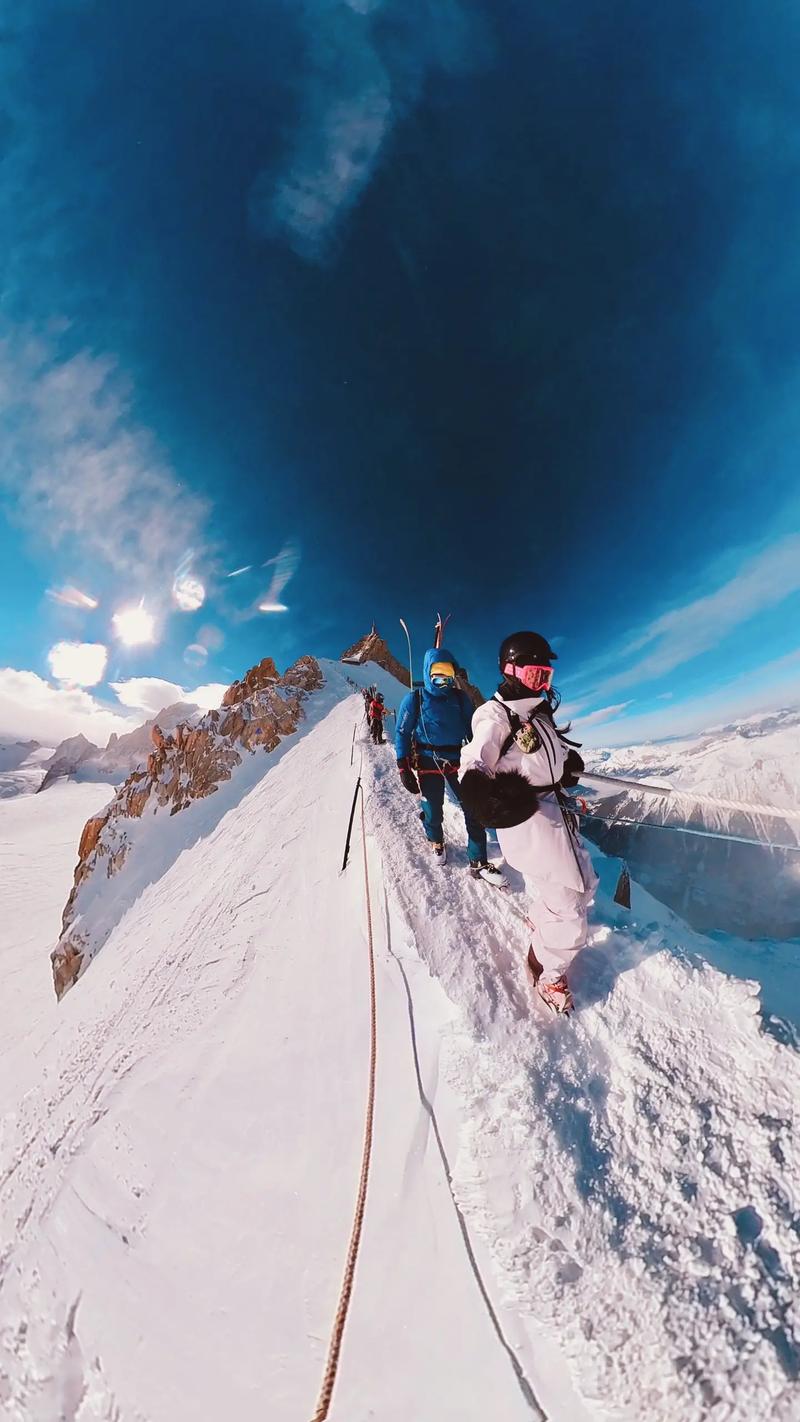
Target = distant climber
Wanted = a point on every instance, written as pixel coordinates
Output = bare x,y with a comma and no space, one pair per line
432,724
513,775
375,714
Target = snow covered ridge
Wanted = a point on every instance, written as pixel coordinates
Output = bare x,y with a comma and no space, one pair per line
182,768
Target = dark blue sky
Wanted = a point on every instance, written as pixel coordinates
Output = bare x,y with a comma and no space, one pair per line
492,308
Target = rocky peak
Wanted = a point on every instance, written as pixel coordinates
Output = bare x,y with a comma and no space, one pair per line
72,753
259,677
183,765
372,648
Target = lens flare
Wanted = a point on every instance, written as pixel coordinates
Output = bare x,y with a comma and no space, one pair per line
73,597
188,592
134,626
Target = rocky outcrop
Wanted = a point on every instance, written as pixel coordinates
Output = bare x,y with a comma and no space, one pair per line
182,767
372,648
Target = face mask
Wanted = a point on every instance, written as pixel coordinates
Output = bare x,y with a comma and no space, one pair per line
534,677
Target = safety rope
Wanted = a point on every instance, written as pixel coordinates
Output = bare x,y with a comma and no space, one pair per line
337,1333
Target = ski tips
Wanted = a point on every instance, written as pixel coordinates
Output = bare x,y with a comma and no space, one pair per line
622,893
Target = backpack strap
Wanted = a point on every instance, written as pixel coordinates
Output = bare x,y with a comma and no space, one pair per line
515,725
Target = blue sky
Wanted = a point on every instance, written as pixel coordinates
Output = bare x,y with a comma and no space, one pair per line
420,306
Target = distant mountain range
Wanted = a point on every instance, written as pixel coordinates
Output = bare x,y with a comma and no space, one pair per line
721,846
80,758
26,767
753,760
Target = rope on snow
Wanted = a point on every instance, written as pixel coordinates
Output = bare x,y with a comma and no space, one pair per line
340,1317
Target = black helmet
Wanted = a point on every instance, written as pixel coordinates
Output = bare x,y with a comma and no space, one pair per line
525,649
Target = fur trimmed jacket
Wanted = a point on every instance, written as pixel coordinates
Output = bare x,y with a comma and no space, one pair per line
509,785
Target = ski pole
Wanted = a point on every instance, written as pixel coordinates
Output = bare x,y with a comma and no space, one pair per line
353,742
350,825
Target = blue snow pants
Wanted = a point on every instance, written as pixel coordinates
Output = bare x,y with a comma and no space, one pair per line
432,783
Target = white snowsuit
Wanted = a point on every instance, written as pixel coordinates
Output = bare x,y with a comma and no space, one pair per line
558,873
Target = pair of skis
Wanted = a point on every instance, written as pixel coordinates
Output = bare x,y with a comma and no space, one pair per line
438,634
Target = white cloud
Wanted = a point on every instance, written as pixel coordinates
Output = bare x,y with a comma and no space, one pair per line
84,474
327,178
763,580
365,68
606,713
31,707
209,696
151,694
78,663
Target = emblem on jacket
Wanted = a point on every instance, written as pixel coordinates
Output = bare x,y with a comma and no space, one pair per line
528,738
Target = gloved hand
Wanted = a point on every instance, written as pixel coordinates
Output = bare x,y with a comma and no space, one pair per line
408,777
573,766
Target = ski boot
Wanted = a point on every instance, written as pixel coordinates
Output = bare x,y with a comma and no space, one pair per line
439,851
482,869
556,995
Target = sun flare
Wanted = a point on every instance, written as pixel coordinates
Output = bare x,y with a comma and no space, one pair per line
134,626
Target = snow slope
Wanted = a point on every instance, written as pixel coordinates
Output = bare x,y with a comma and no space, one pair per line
38,850
580,1220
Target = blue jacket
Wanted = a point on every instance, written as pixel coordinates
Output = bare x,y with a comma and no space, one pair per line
430,716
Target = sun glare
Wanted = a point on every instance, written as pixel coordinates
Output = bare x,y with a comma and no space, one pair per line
134,626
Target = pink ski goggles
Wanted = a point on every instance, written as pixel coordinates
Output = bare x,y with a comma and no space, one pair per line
535,678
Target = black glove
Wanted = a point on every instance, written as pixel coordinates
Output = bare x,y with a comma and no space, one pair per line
498,801
408,777
573,768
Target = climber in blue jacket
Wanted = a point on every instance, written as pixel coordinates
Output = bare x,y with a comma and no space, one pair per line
433,723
